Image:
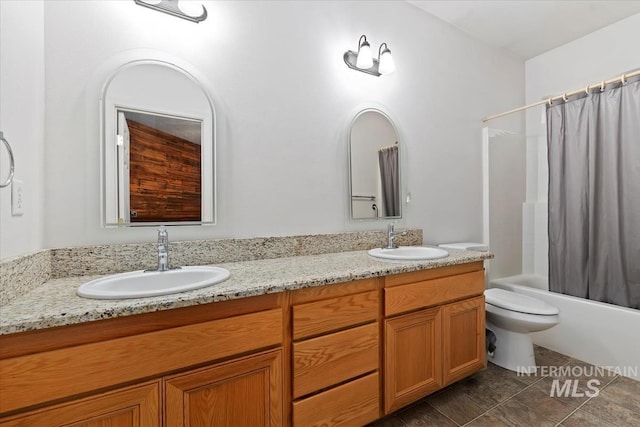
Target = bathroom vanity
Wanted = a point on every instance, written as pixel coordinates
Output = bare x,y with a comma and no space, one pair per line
334,345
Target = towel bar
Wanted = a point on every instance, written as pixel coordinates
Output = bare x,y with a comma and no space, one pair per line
11,162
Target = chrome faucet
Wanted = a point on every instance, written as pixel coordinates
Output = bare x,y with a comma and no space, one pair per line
163,249
391,235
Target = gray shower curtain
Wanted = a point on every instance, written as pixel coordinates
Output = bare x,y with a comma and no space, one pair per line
594,196
389,176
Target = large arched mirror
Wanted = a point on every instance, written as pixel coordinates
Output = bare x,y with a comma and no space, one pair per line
158,147
374,160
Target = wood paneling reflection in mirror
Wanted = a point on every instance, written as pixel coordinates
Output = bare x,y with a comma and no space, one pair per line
162,172
165,176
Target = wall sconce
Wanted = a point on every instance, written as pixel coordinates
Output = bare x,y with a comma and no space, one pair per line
192,11
362,60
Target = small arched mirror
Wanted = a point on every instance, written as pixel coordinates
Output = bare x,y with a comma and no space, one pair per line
158,147
374,166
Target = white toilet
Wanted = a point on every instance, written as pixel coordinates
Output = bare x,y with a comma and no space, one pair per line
511,317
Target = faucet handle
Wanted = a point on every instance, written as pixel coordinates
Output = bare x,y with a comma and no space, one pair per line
163,236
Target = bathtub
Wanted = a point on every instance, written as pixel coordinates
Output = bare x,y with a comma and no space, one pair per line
598,333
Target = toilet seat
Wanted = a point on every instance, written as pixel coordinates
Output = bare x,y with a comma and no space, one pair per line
517,302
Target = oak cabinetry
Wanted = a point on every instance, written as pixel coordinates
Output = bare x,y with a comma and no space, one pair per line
336,355
413,357
317,317
83,368
324,361
137,406
355,403
437,341
221,370
425,293
463,333
242,392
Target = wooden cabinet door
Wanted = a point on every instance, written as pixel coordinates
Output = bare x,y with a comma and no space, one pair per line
413,363
243,392
136,406
463,331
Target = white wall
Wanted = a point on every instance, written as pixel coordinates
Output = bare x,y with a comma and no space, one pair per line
22,121
601,55
284,99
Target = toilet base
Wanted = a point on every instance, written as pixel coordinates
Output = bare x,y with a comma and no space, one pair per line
514,350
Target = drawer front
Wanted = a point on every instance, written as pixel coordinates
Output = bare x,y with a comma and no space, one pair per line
319,317
352,404
426,293
432,273
38,378
331,359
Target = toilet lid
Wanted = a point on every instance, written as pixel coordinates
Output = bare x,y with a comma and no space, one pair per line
518,302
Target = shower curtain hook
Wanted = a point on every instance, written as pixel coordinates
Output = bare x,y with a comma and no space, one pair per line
586,90
564,97
549,101
602,86
623,79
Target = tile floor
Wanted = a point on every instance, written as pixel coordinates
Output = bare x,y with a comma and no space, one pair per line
498,397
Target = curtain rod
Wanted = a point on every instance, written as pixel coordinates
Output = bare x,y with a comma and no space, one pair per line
389,147
622,79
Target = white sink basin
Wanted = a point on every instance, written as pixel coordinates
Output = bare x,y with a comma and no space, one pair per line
409,253
138,284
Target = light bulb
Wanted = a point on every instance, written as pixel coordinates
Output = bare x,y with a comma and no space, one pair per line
365,60
386,65
193,9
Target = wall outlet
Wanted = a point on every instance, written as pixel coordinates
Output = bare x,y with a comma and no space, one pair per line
17,197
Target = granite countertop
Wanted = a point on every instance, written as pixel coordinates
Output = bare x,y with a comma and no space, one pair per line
55,302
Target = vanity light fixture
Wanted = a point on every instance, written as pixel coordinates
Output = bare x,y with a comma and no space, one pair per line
385,60
362,60
192,11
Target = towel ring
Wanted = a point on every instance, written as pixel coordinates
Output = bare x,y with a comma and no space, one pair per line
11,163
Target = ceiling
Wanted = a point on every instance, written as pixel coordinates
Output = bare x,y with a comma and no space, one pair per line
187,129
528,28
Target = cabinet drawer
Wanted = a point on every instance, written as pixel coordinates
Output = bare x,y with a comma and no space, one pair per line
41,377
324,361
318,317
399,299
352,404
